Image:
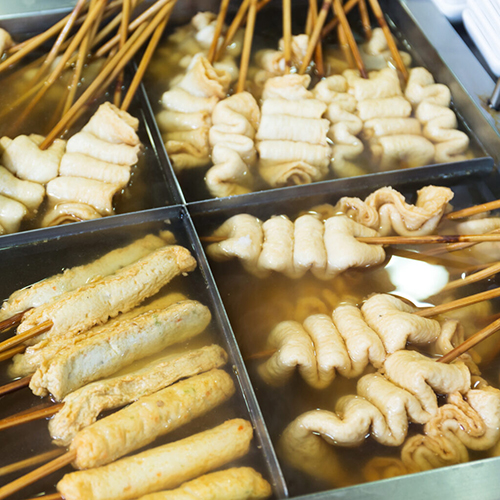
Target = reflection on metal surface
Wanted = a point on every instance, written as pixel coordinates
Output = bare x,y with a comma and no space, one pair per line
494,101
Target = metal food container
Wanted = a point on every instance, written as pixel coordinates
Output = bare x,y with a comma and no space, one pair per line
411,36
42,254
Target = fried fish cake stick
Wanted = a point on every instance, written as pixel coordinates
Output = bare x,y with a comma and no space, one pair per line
140,423
237,483
117,347
160,468
95,303
75,277
82,407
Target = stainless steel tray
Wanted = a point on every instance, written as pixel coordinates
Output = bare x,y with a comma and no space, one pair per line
483,138
40,255
249,302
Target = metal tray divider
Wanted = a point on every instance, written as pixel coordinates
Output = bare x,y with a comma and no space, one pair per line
348,187
279,485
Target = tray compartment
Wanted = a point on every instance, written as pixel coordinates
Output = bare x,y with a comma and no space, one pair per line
40,256
254,306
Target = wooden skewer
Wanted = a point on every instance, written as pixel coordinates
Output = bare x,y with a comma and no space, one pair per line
148,54
476,209
365,19
404,240
31,477
23,418
233,28
218,30
429,240
75,42
318,56
33,43
377,11
60,39
344,45
82,57
455,247
247,47
339,11
127,5
287,34
109,72
138,21
10,353
14,320
473,278
315,35
14,386
331,25
28,334
428,312
23,464
471,342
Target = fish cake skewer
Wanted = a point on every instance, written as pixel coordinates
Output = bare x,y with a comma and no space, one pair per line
160,468
95,303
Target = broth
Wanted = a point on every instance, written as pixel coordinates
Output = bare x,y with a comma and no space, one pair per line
148,186
26,264
255,306
165,67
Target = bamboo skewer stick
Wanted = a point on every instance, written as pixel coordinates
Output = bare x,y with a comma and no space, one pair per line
110,71
247,46
365,19
123,37
10,353
331,25
31,477
82,56
33,43
339,11
218,30
345,46
287,34
77,39
14,320
377,11
233,28
138,21
474,210
148,54
429,240
455,247
471,342
18,419
28,334
24,464
60,40
315,35
473,278
318,56
404,240
428,312
14,386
